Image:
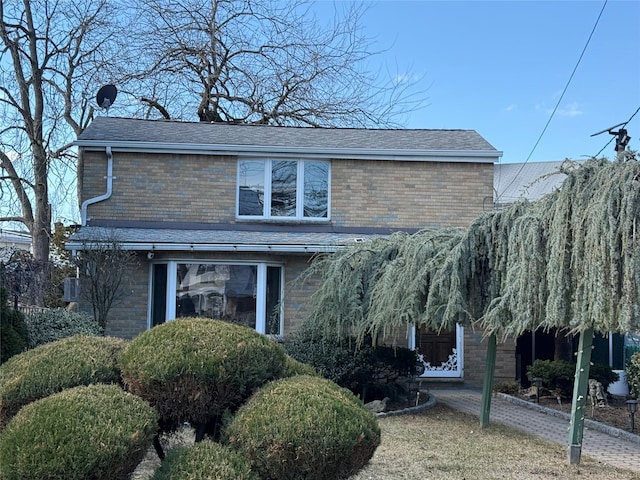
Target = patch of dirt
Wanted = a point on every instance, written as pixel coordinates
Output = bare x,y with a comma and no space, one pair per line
615,414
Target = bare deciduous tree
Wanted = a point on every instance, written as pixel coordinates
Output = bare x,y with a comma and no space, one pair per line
260,61
103,265
49,57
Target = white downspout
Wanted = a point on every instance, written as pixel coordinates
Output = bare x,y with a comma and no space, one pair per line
104,196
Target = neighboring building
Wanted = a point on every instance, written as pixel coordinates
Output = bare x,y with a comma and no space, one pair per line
225,217
15,239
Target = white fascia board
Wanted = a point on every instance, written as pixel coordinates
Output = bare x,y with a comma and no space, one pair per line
215,247
479,156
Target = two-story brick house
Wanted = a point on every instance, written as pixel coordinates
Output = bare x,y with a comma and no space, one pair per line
224,217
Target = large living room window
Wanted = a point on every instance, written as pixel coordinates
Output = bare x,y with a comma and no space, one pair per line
246,293
283,189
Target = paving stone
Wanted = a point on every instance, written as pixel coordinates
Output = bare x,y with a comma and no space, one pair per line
601,446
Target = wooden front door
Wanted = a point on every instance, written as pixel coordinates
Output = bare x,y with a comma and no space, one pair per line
438,352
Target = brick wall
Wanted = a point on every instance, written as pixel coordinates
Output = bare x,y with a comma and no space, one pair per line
364,193
475,357
167,187
409,194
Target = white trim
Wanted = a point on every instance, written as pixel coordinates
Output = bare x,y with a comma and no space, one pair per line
459,372
216,247
261,290
267,183
172,286
261,293
479,156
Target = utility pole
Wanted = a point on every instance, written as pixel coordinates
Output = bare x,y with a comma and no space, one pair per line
622,139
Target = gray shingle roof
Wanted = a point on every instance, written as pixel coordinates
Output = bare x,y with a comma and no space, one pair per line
194,239
111,129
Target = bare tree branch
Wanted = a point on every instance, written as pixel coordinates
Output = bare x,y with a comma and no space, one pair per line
259,61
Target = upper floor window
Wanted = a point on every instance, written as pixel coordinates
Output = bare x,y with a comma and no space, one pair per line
283,189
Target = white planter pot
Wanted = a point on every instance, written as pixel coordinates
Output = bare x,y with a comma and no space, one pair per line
619,388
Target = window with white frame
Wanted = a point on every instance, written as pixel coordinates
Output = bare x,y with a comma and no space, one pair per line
283,189
246,293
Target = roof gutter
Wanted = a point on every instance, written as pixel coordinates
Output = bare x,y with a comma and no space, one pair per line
211,247
308,152
104,196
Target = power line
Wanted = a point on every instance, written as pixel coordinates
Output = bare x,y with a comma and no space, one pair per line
561,95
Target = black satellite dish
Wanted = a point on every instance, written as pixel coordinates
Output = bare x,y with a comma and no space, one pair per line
106,96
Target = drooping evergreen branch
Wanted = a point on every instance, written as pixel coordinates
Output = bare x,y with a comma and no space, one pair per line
569,261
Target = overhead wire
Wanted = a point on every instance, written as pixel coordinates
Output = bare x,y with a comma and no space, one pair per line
559,99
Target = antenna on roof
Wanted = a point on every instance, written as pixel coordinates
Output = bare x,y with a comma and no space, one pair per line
106,96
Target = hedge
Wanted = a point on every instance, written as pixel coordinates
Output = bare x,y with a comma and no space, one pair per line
56,324
194,370
304,427
205,461
96,432
50,368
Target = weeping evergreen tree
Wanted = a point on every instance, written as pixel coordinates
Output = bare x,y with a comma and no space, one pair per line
377,287
569,261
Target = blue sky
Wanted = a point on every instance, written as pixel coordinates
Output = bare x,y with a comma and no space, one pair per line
500,67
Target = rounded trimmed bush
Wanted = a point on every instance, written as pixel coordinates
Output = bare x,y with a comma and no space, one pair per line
304,427
56,324
50,368
205,461
294,367
194,369
90,432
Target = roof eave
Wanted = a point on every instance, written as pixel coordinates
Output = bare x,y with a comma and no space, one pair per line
480,156
215,247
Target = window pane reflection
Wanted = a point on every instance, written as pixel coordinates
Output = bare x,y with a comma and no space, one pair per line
316,189
284,176
225,292
251,187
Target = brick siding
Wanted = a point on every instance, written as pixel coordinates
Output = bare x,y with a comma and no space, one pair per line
201,188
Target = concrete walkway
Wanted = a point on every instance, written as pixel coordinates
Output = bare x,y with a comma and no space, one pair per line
607,445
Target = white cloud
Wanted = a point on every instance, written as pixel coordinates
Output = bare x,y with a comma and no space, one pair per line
511,108
571,110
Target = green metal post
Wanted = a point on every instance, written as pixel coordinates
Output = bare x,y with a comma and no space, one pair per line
580,389
487,387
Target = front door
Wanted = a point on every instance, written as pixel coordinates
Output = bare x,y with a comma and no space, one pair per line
440,353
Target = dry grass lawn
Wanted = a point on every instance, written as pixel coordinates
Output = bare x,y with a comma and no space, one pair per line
443,444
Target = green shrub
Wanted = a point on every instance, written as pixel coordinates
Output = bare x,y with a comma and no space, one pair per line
560,374
555,374
334,360
603,374
205,461
508,387
193,369
52,367
358,369
633,374
52,325
91,432
294,367
14,337
304,427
